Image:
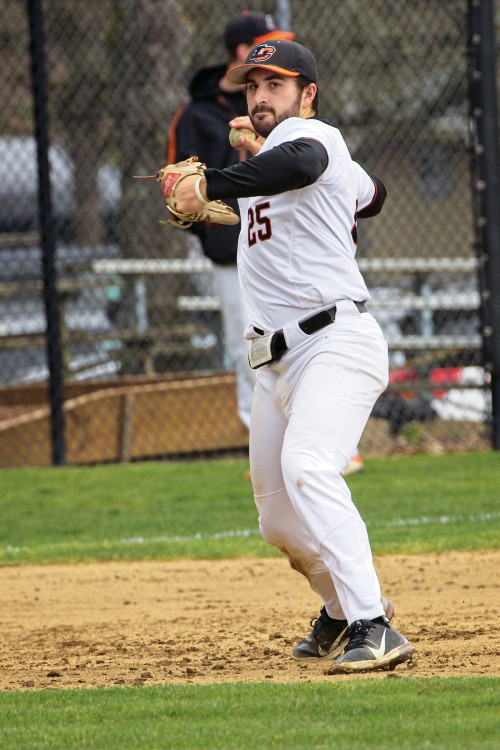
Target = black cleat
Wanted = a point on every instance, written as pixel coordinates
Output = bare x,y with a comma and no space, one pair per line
326,639
372,644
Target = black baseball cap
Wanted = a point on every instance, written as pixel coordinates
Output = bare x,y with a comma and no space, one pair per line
281,55
252,28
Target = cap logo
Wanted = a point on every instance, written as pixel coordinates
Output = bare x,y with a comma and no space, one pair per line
263,53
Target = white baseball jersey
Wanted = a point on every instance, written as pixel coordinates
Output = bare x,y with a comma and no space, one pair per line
284,274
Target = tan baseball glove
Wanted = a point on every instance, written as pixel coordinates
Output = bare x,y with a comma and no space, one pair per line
214,211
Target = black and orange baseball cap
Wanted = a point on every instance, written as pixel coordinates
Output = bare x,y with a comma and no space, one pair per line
281,55
253,28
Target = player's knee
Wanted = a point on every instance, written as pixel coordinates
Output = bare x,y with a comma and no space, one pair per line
276,537
271,532
274,518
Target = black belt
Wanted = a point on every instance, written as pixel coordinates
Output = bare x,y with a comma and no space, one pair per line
308,325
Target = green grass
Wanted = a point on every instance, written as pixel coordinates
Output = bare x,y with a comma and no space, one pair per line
353,715
206,509
431,503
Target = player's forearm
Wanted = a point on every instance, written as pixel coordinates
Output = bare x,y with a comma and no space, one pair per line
289,166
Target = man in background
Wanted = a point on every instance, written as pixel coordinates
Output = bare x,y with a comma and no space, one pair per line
201,129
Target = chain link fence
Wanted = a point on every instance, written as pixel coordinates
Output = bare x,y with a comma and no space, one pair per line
146,374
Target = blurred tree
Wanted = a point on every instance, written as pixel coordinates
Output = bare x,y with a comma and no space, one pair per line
147,80
79,75
16,116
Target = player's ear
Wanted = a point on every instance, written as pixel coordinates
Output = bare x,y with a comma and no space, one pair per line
308,95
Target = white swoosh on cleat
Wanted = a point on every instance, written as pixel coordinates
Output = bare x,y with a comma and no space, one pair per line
380,651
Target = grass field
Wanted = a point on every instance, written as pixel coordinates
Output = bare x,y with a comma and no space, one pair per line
353,716
203,510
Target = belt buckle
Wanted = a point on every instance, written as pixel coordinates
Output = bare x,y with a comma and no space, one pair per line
260,351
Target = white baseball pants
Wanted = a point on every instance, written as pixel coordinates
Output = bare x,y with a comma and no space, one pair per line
308,414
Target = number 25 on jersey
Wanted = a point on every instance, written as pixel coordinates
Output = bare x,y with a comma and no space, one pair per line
259,225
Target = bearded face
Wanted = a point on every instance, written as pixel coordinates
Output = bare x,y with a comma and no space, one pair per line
265,117
271,99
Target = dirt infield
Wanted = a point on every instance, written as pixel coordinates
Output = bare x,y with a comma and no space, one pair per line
96,625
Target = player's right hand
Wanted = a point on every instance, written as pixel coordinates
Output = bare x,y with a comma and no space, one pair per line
254,146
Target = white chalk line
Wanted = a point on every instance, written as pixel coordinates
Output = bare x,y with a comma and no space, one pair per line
245,533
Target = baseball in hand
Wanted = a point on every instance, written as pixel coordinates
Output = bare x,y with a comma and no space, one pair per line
235,133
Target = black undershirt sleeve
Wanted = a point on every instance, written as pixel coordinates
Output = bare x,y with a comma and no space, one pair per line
289,166
375,207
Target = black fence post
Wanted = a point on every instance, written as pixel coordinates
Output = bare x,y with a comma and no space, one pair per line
483,115
47,231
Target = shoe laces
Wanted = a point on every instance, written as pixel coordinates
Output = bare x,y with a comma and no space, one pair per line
358,632
320,623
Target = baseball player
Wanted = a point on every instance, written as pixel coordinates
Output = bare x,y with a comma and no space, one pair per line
319,355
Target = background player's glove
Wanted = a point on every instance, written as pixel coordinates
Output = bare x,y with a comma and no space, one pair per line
169,178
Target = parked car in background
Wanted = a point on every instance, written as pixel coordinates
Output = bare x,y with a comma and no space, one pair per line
19,188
